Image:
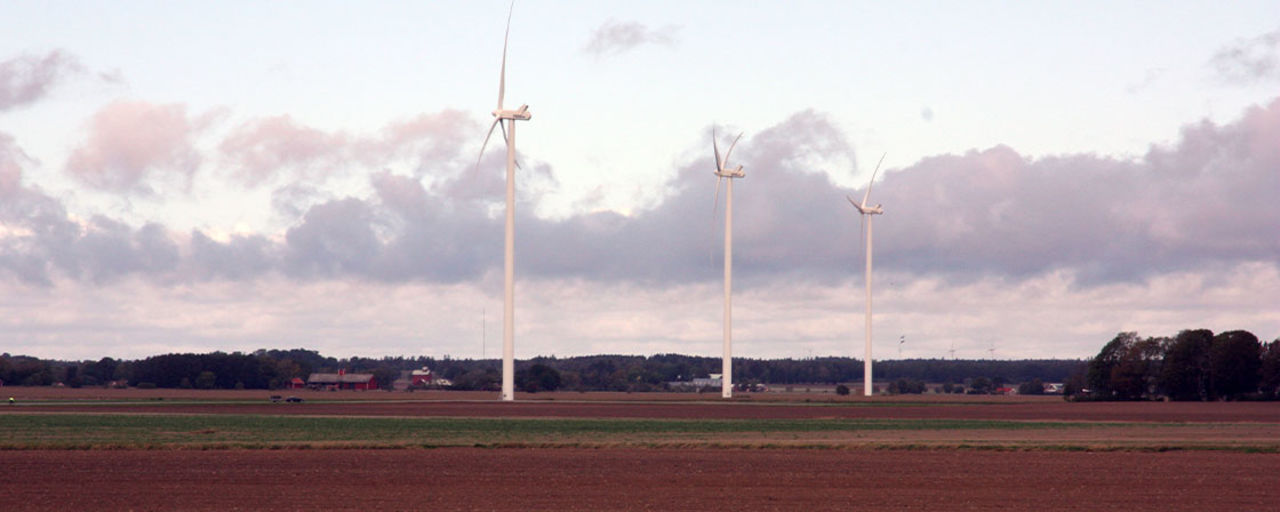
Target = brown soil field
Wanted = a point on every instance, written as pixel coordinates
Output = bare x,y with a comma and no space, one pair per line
853,475
636,479
639,405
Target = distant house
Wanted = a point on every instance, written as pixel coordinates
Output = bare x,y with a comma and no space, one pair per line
421,378
713,381
342,380
296,383
425,378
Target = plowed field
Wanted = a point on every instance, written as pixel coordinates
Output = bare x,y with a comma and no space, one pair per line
636,479
1117,462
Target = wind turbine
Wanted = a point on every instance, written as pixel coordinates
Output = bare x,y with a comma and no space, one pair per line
722,173
501,115
867,212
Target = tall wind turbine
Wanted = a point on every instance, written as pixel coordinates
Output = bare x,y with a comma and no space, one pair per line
502,115
722,173
867,213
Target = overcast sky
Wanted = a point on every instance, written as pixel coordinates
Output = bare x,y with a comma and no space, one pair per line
240,175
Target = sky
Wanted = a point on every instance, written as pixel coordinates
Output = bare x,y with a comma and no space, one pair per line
192,177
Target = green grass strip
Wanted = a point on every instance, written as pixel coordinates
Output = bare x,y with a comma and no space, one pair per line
36,431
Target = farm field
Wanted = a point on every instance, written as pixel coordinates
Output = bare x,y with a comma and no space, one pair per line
203,450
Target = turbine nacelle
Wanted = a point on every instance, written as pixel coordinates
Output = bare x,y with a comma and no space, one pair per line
520,114
866,210
730,173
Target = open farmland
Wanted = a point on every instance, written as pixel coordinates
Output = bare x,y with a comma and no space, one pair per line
154,449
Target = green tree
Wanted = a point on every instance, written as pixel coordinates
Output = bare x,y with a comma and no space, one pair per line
1269,373
386,377
981,386
1185,374
1234,364
538,377
206,380
1034,387
1098,376
1136,375
1127,368
479,379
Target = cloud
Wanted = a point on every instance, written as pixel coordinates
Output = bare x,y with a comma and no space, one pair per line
240,258
279,149
133,145
1249,60
11,160
1203,201
1053,254
259,150
615,38
436,137
1195,203
26,79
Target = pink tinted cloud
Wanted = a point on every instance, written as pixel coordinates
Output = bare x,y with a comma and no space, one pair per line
129,141
25,79
262,149
11,158
436,137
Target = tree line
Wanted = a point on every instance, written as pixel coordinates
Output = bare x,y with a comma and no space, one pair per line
274,369
1195,364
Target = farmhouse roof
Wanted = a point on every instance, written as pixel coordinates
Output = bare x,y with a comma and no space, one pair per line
335,378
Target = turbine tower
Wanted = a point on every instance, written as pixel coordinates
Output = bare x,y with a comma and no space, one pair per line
867,212
502,115
722,173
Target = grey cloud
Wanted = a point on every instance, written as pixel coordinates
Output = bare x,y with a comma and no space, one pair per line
43,241
1249,60
1205,201
334,239
24,80
614,37
108,249
241,257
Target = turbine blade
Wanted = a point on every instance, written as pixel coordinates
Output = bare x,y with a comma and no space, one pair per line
855,204
502,77
486,141
730,152
716,148
873,180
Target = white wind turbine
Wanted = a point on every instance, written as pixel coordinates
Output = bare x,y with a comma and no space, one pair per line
722,173
867,212
509,134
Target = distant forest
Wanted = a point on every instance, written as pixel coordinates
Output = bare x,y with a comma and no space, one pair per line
1196,364
274,369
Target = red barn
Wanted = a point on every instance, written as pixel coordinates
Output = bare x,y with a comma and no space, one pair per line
421,378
